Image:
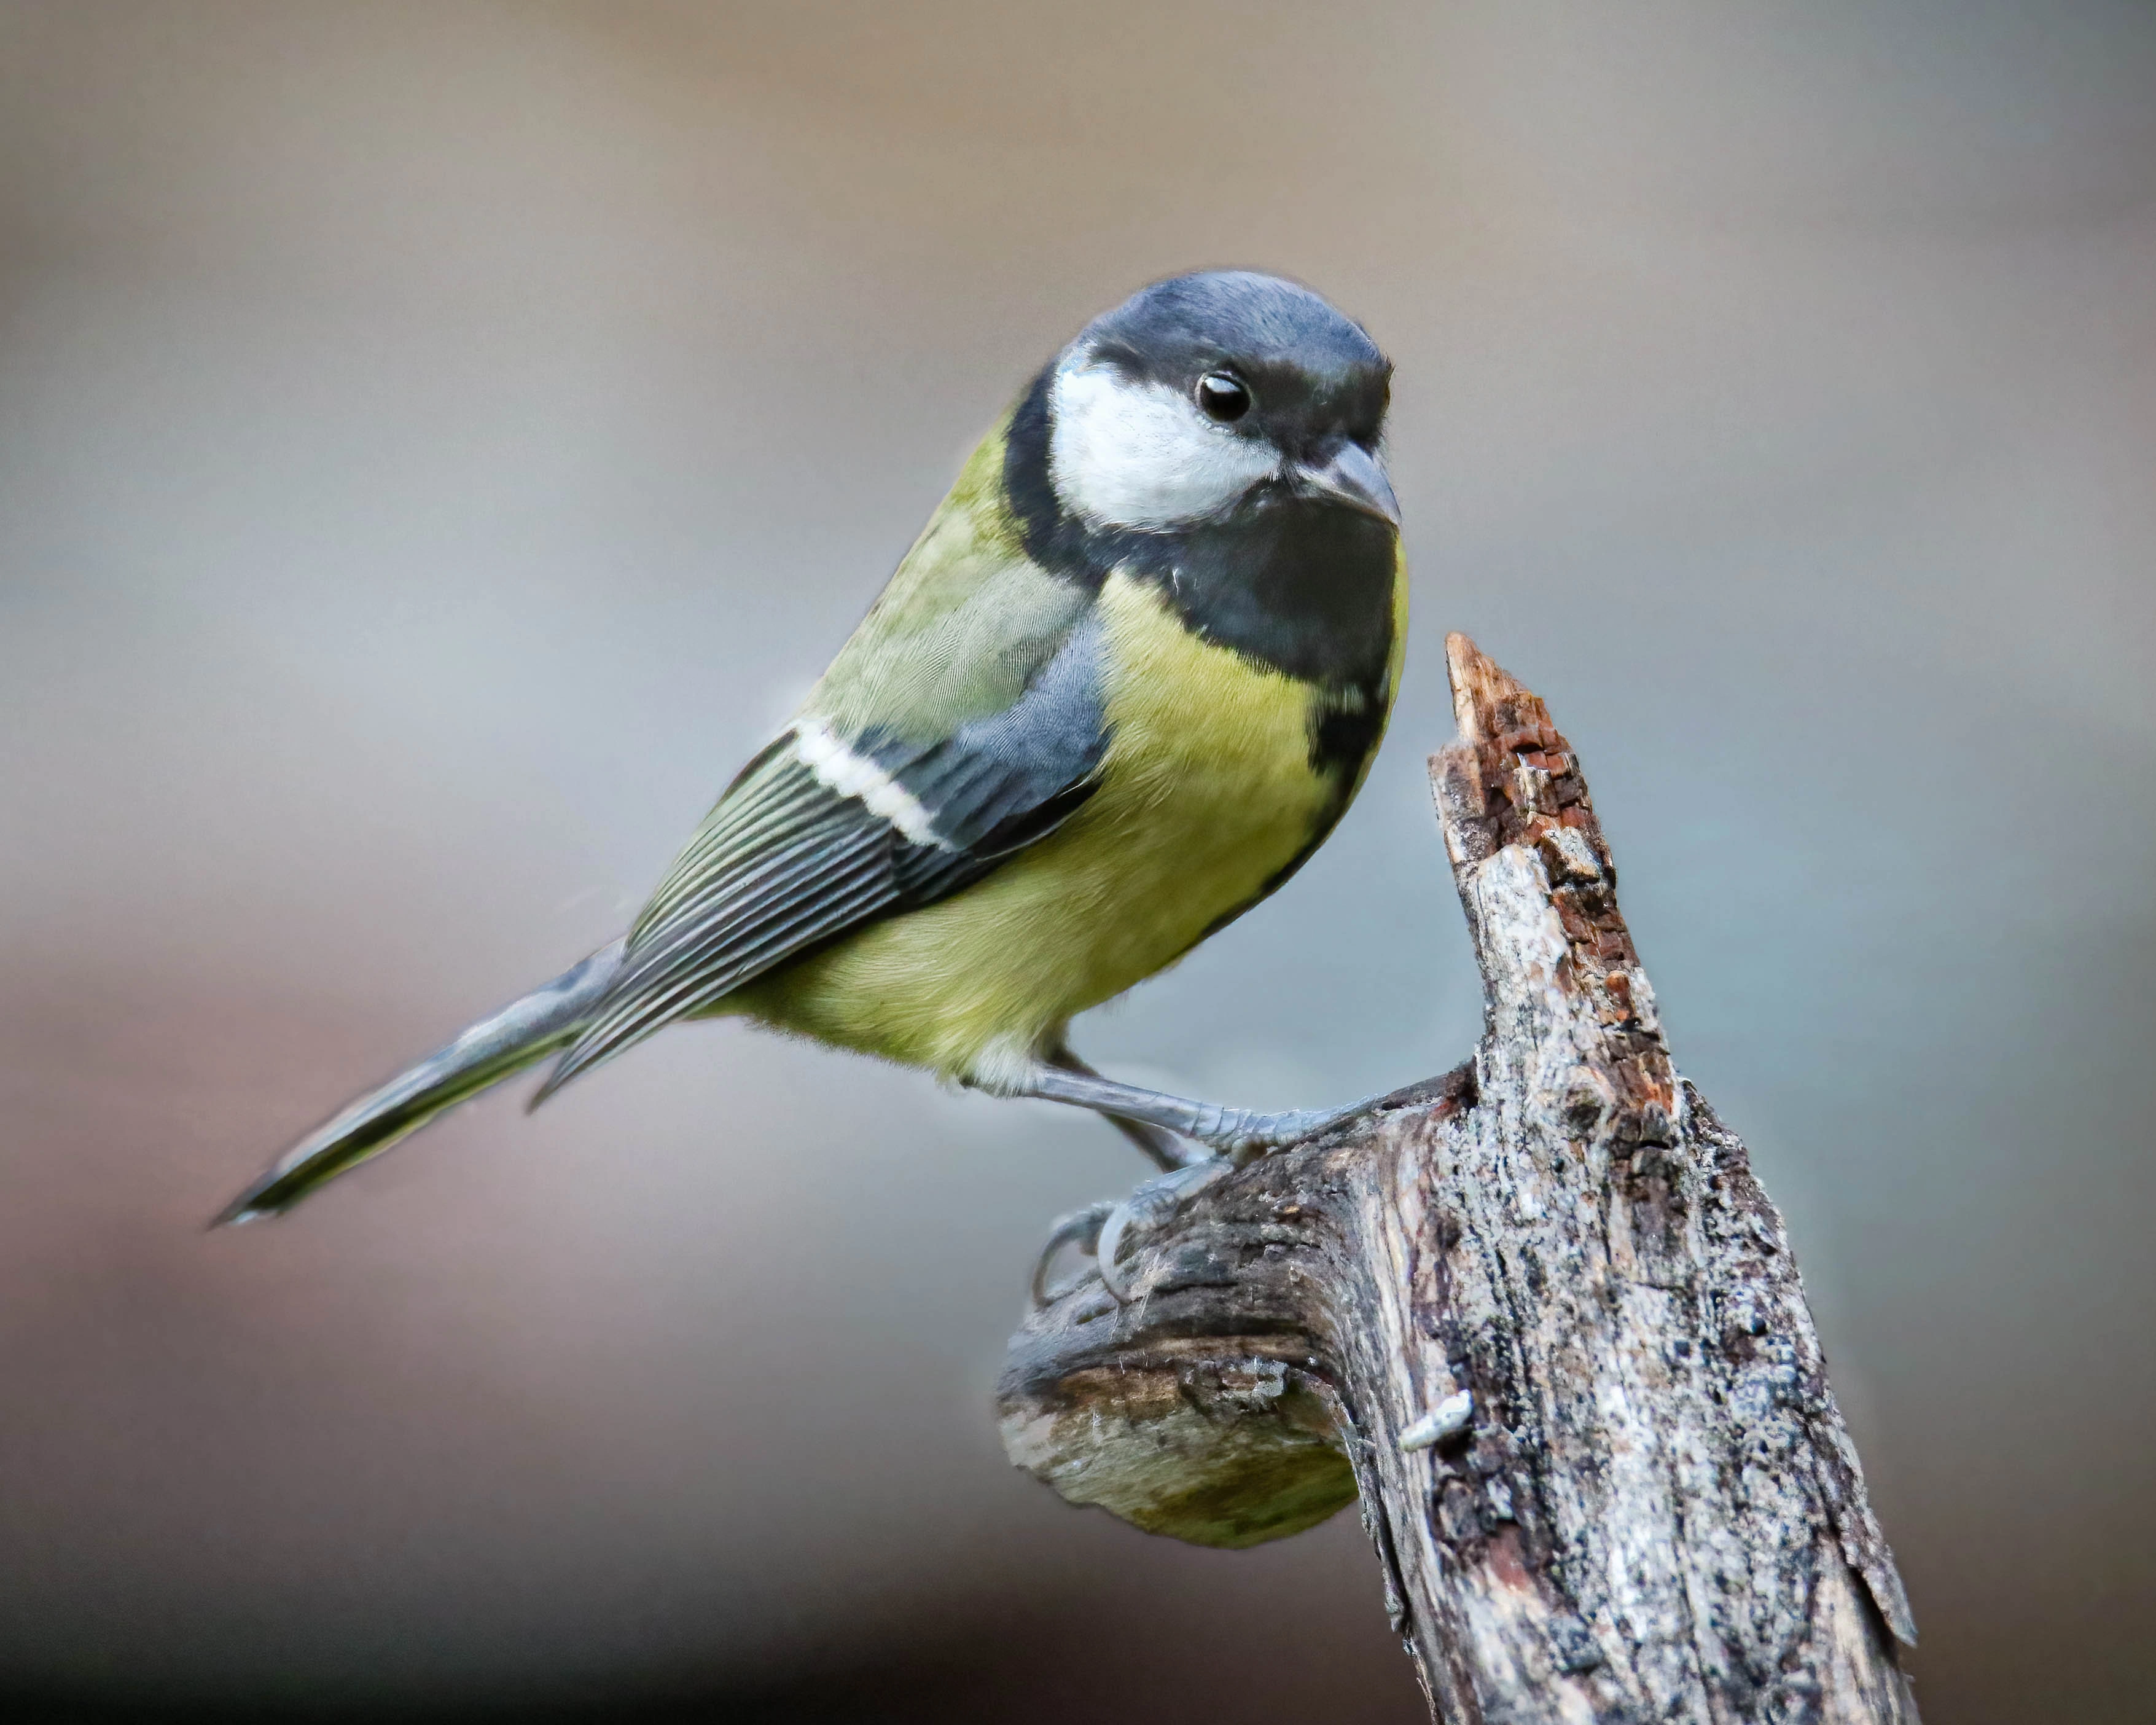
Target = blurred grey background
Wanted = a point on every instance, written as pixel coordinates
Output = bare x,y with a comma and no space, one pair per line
437,442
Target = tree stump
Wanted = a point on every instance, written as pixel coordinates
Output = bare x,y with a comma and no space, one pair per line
1537,1313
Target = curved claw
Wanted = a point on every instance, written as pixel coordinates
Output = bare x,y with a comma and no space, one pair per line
1081,1228
1150,1209
1108,1249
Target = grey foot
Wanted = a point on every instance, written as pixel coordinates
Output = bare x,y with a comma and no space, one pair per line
1105,1230
1157,1124
1147,1212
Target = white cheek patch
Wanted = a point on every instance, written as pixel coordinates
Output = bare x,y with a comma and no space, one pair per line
845,774
1125,455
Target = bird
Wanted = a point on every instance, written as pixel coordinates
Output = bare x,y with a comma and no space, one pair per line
1125,682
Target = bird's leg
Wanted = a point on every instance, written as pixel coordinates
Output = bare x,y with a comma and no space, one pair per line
1241,1134
1161,1146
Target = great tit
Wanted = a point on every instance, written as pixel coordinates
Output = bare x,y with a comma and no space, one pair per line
1124,684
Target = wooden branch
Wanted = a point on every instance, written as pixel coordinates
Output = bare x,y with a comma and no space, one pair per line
1538,1313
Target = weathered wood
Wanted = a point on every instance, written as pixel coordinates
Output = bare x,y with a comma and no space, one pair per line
1538,1311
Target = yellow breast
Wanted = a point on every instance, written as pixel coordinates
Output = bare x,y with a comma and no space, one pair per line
1207,792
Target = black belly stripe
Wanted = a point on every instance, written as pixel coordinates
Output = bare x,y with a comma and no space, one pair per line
1341,739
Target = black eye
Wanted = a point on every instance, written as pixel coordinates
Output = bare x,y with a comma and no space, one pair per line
1224,396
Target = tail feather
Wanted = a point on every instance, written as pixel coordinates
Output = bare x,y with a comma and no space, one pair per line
496,1048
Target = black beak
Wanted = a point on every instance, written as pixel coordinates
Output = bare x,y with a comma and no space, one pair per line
1347,474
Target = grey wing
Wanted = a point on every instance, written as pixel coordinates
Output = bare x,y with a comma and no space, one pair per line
822,834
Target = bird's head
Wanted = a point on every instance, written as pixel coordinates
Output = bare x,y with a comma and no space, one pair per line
1204,397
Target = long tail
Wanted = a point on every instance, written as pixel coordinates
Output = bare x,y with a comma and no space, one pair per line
496,1048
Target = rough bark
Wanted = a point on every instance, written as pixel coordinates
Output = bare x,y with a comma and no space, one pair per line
1537,1313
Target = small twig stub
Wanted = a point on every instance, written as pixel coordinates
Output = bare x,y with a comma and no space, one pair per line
1447,1419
